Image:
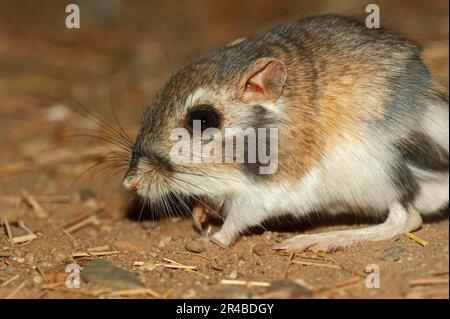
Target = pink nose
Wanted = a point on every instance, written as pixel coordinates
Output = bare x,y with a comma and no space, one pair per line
130,183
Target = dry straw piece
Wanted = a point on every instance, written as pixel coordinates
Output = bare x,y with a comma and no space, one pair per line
8,230
417,239
429,282
37,208
245,283
307,263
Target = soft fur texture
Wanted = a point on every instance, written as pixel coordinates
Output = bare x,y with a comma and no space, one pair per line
362,125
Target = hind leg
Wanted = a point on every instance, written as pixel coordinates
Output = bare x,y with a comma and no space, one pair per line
399,220
414,219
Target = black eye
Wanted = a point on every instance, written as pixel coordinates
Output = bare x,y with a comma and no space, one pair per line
206,116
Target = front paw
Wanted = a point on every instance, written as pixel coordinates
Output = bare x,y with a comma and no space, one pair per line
223,239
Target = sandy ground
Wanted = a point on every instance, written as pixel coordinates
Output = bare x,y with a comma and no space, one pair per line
129,50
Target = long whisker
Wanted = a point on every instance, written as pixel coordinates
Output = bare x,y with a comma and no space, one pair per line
111,103
108,136
122,148
95,118
180,199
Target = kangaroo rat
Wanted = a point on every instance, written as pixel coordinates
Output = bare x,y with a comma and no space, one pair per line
362,128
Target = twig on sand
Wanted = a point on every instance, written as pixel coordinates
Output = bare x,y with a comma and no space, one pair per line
173,263
41,273
68,235
439,273
194,254
307,263
91,220
39,211
354,272
244,283
8,230
98,248
10,280
82,221
179,266
24,227
24,238
16,290
289,261
428,282
94,253
417,239
316,256
149,265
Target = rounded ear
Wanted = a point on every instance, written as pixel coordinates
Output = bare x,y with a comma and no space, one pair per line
264,81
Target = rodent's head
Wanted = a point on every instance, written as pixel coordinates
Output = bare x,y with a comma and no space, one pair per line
228,89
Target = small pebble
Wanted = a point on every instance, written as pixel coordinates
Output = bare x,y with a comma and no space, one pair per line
148,266
37,280
190,293
60,255
107,274
152,254
258,250
20,260
233,275
164,241
29,257
44,264
148,224
393,253
10,269
194,247
216,266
